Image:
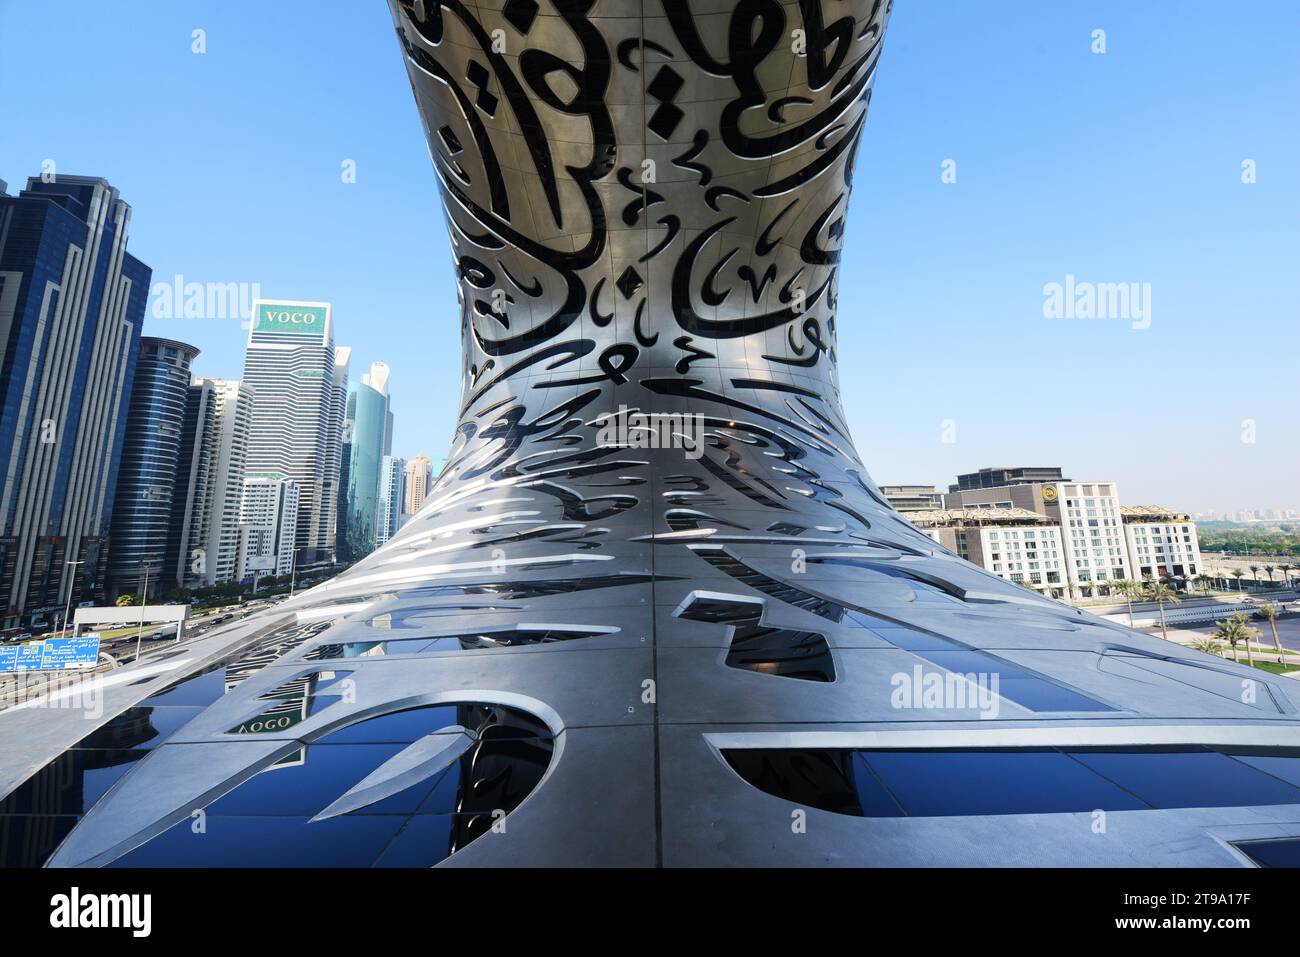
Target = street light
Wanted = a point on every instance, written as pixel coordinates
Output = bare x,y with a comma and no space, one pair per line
144,592
67,607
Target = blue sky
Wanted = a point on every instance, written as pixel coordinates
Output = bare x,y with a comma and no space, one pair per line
1121,167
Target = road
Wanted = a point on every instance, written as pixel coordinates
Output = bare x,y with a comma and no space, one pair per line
1288,632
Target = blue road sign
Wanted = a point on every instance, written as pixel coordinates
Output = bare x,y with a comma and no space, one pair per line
62,654
21,657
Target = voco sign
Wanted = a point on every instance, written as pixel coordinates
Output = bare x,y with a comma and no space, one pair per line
293,319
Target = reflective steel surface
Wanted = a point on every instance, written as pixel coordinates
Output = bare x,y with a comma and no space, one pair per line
654,587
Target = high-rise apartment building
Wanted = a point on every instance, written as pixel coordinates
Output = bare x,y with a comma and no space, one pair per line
194,462
268,519
215,555
392,498
72,302
147,479
368,430
419,479
297,424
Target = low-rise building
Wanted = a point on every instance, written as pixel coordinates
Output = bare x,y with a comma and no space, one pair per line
1102,540
1017,544
1161,542
912,498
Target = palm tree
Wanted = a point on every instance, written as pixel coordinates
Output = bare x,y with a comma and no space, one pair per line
1235,630
1254,571
1269,614
1204,580
1160,593
1209,645
1269,569
1129,589
1238,574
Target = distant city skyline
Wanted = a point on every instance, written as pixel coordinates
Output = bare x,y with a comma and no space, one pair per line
306,178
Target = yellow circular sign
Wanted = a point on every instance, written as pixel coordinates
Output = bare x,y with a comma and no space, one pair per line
1049,493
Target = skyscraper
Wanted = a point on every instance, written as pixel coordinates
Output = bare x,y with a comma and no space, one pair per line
219,511
143,533
392,497
194,463
368,414
298,416
419,479
72,302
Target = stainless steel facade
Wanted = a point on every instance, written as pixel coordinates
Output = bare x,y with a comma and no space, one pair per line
654,610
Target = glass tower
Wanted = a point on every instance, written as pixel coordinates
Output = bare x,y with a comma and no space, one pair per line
150,469
72,302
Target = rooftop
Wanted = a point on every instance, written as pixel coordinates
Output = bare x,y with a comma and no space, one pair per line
947,517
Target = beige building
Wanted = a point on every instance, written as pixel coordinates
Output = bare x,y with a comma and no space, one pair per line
1103,540
1088,514
419,479
1093,531
1161,541
217,556
1017,544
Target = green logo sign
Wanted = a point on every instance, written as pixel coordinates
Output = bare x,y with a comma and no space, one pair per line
283,317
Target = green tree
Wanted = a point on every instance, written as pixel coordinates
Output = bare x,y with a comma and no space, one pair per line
1269,614
1254,572
127,601
1234,631
1209,645
1161,594
1238,574
1129,589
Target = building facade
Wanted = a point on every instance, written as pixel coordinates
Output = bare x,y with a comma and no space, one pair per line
367,431
392,498
912,498
1162,543
194,462
1093,531
72,303
1015,544
298,417
1103,541
268,519
997,477
419,479
215,558
143,534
